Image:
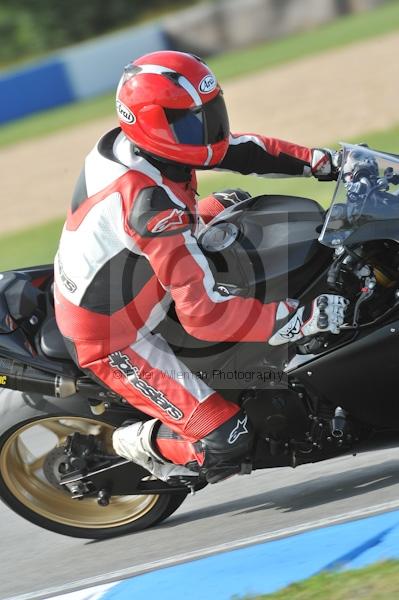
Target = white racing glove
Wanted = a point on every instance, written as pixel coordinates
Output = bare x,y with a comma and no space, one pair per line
326,313
326,164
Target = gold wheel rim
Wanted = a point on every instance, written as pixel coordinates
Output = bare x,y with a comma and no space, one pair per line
21,467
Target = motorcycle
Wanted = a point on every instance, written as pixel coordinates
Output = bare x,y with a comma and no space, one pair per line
310,401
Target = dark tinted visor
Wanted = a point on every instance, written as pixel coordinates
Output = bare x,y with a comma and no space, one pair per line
200,126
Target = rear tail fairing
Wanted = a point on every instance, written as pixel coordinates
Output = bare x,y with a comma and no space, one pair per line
26,303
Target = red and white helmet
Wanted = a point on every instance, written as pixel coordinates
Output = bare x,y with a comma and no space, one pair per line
170,105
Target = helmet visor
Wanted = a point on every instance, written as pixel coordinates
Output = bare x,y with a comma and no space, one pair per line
202,125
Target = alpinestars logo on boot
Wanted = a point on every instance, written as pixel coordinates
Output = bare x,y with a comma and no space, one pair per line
239,429
120,361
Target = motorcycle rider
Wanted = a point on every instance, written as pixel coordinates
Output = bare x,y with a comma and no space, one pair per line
128,249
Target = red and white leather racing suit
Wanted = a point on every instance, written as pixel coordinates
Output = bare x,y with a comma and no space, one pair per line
128,249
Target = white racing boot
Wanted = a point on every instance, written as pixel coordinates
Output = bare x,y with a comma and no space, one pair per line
134,442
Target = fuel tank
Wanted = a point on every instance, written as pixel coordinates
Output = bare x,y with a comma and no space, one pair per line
267,247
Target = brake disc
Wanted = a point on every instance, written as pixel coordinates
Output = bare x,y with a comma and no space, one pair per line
55,466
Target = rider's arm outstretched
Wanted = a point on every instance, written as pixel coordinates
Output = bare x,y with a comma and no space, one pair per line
253,154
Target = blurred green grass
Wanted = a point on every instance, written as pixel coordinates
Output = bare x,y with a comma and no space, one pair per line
344,31
376,582
38,245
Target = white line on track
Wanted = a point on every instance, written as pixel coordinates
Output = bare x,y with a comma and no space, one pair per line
196,554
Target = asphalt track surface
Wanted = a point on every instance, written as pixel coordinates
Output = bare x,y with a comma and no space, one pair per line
33,559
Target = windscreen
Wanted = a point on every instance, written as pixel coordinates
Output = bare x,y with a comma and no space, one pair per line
367,194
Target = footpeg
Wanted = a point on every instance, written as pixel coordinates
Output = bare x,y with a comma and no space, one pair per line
190,482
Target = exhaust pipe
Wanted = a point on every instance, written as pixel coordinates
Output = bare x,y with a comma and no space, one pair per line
23,378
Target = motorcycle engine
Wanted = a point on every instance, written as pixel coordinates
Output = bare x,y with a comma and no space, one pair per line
280,414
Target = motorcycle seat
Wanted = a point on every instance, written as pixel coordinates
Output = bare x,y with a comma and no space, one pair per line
51,341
